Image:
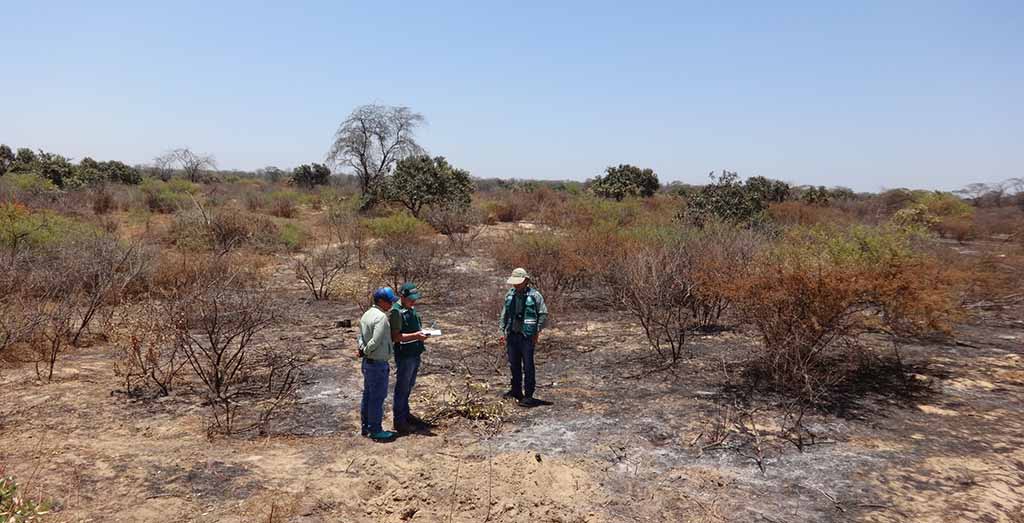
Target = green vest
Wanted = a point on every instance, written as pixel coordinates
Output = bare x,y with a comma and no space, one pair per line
531,313
410,323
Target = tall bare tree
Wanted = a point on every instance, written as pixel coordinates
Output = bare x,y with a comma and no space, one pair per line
371,140
190,163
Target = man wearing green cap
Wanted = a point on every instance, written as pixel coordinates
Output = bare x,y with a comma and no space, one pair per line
522,318
408,348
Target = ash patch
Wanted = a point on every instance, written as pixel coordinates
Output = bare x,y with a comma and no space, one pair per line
328,399
218,480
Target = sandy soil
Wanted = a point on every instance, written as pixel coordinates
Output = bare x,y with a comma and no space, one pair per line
619,443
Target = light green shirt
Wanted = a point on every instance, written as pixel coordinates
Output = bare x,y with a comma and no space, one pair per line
375,335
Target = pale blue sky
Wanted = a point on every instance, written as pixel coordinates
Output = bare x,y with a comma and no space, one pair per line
862,94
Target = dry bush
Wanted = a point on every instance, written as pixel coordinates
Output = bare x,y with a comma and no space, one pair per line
21,314
284,204
817,291
148,359
510,206
555,265
718,255
657,289
96,272
61,289
53,336
959,228
103,200
177,270
225,229
462,227
408,250
999,223
347,228
471,399
318,270
795,213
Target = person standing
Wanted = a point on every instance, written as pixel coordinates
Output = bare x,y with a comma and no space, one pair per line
408,350
521,321
375,350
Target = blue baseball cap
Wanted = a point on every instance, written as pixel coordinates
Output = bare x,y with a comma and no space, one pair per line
385,293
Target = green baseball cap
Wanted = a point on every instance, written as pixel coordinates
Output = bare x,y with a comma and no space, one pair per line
408,290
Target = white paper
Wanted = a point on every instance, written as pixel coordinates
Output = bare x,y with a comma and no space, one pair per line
432,332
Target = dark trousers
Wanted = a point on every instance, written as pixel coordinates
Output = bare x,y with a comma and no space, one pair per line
375,391
520,360
406,369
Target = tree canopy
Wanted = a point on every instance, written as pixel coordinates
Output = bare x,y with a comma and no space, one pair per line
421,181
625,181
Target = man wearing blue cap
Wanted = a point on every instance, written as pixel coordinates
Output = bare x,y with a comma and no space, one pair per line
375,350
409,338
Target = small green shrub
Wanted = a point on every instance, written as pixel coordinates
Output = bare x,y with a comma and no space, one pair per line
28,183
21,227
398,226
168,197
16,507
292,237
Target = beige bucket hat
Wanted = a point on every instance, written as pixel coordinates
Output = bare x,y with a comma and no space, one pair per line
518,276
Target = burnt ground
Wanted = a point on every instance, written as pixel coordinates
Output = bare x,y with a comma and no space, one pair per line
624,439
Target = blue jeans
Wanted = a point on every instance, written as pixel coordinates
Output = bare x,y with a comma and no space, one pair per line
520,359
405,379
375,391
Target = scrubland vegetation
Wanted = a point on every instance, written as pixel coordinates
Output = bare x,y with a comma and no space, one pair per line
172,266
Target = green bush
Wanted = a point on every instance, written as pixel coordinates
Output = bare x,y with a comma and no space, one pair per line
167,197
21,227
292,237
398,226
727,199
625,181
28,183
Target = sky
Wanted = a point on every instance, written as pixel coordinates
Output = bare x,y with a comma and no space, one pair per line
863,94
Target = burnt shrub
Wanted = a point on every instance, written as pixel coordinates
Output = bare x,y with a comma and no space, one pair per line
220,325
813,294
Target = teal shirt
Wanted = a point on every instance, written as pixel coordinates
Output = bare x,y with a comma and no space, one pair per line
410,323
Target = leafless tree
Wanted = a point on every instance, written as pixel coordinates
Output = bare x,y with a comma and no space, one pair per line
371,140
190,163
974,192
163,166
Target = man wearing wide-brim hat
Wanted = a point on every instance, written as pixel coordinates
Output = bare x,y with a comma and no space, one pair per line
522,318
